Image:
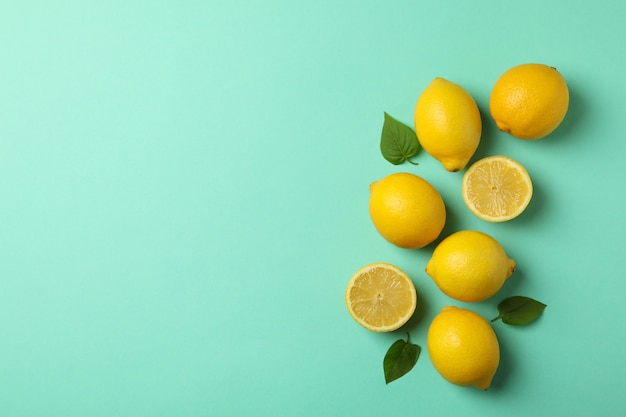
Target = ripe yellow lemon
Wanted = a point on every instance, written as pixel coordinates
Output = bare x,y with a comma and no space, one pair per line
448,124
406,210
469,266
529,101
463,347
381,297
497,188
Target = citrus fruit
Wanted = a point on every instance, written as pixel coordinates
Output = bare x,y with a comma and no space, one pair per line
469,266
497,188
381,297
463,347
447,123
406,210
529,101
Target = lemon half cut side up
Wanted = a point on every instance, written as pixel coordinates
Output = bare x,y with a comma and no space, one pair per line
497,188
381,297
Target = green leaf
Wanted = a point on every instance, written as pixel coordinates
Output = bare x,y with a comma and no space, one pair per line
398,142
519,310
400,359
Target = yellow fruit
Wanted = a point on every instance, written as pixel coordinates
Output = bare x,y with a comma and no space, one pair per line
469,266
497,188
381,297
463,347
406,210
447,123
529,101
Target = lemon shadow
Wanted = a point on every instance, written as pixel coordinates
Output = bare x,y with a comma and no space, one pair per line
415,322
535,208
453,224
512,284
508,361
574,117
487,138
507,365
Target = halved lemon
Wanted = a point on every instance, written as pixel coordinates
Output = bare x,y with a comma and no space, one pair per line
381,297
497,188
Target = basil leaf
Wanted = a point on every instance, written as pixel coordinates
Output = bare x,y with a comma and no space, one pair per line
398,142
400,359
519,310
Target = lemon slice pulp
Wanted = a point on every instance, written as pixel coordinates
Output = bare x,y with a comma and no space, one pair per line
497,188
381,297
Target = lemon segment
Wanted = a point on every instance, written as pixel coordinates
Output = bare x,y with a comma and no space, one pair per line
463,348
497,188
381,297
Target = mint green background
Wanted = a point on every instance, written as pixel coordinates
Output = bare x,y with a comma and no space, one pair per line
183,199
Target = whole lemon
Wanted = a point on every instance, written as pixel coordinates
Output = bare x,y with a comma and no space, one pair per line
469,266
529,101
448,124
463,347
406,210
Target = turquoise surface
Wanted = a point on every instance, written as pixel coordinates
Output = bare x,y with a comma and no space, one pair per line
183,199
